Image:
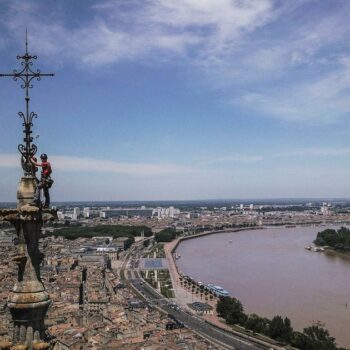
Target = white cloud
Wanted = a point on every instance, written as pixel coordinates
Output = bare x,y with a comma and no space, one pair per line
136,30
315,152
231,158
324,100
249,49
79,164
309,153
87,178
9,161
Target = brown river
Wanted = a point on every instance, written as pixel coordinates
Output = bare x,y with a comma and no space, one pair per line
272,273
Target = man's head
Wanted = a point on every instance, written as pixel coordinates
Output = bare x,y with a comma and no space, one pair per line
43,157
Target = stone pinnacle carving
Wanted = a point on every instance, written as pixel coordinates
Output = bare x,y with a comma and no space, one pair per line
28,301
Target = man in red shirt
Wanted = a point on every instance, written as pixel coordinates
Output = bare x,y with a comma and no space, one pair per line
45,182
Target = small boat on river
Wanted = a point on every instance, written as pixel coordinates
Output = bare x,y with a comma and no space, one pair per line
217,290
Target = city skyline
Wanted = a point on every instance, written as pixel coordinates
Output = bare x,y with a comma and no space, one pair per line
221,99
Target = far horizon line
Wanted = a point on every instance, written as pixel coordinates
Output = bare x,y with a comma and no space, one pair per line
202,200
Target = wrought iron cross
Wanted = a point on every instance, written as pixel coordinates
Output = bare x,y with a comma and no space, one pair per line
26,75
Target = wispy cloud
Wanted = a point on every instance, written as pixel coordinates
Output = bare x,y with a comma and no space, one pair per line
230,158
323,100
315,152
266,55
289,176
80,164
9,161
157,29
308,153
84,164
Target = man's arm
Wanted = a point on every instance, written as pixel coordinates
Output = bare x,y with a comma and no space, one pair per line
34,162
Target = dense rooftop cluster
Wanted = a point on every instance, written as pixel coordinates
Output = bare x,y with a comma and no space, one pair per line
91,308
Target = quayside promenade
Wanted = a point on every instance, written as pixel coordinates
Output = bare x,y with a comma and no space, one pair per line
185,297
219,336
272,273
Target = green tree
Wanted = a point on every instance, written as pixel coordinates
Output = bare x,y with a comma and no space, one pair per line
314,338
338,239
288,329
222,305
258,324
298,340
231,309
280,329
166,235
234,312
103,230
276,327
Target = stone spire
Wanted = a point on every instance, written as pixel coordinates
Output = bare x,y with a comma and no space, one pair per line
28,301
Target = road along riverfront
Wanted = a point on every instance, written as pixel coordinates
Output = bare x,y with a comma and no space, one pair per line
221,337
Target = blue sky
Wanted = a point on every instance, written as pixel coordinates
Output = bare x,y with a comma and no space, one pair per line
182,99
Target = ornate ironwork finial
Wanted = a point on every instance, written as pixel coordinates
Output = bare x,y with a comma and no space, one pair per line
27,75
26,40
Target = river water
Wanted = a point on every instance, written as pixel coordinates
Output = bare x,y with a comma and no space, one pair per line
271,273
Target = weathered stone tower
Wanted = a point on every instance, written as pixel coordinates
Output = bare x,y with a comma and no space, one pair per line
28,301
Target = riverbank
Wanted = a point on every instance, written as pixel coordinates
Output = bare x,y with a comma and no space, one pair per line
181,294
334,252
207,233
175,274
271,273
183,297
